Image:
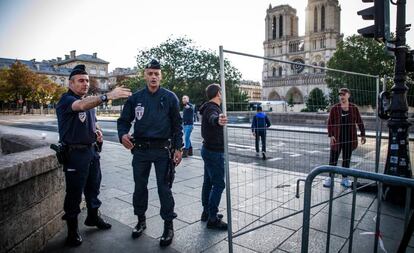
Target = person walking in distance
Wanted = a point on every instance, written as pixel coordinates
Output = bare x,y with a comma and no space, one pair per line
212,152
260,123
188,122
342,122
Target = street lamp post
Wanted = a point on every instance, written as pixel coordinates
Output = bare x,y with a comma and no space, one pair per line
398,158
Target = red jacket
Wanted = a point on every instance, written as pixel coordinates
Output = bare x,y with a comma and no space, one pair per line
334,124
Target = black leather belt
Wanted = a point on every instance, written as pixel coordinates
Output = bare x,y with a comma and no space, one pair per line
151,144
80,146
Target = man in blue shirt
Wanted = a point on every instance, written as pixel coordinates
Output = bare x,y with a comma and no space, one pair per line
157,127
188,117
260,123
78,132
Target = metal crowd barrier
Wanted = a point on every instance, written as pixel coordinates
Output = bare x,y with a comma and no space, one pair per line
380,178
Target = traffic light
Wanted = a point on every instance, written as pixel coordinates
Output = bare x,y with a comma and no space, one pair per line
380,14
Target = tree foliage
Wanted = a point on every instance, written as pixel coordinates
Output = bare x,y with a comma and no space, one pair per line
19,82
362,55
316,101
188,70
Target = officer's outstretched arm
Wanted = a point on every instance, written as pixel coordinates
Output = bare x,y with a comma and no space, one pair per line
93,101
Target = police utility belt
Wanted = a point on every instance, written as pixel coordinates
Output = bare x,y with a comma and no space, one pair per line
150,144
62,149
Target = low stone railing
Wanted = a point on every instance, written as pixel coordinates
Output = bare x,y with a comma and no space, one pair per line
31,194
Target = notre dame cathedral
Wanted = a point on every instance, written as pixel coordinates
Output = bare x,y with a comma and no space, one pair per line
282,42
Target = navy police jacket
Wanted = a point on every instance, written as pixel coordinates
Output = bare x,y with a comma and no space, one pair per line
157,117
75,127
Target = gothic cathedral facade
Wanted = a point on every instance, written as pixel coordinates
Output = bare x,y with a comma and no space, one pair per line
283,81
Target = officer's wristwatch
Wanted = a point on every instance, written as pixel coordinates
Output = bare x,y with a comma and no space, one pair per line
104,98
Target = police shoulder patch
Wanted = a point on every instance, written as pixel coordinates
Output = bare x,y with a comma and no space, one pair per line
139,111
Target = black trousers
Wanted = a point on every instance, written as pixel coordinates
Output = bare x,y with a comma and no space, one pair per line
260,135
141,165
82,175
346,148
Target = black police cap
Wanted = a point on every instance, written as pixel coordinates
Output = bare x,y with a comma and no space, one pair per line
78,70
153,64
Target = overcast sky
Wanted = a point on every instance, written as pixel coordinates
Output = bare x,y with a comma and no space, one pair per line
116,30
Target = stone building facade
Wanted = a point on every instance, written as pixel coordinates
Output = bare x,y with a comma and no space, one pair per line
58,70
122,72
252,89
282,42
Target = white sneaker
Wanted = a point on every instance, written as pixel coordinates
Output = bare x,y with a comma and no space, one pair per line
346,182
327,182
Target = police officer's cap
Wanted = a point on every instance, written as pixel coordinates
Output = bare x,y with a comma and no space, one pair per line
78,70
153,64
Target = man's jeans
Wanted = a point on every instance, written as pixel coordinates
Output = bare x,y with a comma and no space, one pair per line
187,133
213,184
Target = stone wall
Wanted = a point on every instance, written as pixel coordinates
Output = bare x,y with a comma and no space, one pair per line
31,196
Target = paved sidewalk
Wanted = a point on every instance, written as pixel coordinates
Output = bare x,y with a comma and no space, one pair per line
259,195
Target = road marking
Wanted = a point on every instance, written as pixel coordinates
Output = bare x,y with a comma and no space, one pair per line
312,151
291,154
240,146
275,159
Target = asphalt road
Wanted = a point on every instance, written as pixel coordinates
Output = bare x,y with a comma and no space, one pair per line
291,150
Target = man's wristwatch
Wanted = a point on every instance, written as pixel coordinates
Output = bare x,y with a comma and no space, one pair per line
104,98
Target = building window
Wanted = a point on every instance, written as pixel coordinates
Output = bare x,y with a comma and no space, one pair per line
322,43
280,71
323,66
315,20
93,71
323,18
314,69
273,71
274,28
314,44
280,26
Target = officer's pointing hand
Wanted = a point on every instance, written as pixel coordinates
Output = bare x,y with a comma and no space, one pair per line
119,92
126,141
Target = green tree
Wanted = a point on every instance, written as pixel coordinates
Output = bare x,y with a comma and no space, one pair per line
316,101
188,70
362,55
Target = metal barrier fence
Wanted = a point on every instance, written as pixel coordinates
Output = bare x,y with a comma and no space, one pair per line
376,177
262,194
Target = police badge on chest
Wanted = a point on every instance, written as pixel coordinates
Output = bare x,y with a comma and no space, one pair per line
82,116
139,111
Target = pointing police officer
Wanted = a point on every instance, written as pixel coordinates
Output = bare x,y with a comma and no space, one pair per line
157,128
78,132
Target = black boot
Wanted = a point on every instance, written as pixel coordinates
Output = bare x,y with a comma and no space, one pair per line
185,152
168,234
74,238
139,228
190,151
94,220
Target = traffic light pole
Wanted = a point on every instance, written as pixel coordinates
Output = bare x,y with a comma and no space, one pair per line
398,158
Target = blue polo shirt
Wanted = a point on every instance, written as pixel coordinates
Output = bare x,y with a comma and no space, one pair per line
75,127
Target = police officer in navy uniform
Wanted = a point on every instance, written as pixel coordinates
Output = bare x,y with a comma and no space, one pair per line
157,127
78,132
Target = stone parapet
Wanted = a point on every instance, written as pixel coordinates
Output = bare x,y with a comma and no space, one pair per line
31,196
